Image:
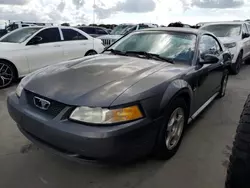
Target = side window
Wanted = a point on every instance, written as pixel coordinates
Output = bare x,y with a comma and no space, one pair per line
47,36
244,29
70,34
209,45
100,31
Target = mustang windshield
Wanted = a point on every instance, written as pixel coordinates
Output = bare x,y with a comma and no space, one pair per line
20,35
224,30
176,46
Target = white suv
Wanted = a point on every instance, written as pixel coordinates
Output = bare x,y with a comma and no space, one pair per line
122,30
30,48
235,36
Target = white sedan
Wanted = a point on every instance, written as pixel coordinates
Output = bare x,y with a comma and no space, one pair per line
28,49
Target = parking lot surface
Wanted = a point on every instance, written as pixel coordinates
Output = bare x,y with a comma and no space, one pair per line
200,162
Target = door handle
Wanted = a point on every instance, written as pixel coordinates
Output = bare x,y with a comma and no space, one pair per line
83,44
57,45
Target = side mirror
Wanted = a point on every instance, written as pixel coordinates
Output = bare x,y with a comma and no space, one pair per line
36,40
209,59
245,35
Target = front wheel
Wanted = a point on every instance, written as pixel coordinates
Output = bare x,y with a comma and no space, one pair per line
171,133
7,74
235,68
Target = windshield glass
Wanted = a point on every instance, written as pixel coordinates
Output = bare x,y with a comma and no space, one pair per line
20,35
224,30
120,29
172,45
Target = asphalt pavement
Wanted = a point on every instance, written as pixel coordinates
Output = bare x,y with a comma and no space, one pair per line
200,163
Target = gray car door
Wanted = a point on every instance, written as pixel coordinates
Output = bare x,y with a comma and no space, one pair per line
246,42
209,76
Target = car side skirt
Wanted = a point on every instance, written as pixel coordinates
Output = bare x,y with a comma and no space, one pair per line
202,108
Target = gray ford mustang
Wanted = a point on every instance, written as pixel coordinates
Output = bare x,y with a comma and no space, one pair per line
133,99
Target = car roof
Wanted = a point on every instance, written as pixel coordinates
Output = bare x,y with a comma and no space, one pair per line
89,27
35,26
225,23
176,29
47,27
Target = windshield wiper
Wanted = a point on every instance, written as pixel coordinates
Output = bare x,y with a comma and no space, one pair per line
151,56
116,52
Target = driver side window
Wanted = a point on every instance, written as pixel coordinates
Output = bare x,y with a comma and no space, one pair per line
47,36
209,45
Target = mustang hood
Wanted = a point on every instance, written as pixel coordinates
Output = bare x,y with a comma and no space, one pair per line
92,81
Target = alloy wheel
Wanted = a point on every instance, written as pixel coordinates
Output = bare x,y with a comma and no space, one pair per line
6,75
175,128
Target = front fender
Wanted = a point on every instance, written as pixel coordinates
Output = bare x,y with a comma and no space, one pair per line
18,59
174,89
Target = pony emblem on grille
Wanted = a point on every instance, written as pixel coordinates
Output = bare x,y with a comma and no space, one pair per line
41,103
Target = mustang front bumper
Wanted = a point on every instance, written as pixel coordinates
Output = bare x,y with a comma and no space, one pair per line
84,142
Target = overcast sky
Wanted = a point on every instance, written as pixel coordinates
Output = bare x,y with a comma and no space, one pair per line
124,11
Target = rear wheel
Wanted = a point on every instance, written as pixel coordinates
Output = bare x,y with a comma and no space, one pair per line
171,133
235,68
7,74
239,167
92,52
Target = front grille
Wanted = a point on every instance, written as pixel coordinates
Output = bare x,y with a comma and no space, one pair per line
106,42
54,109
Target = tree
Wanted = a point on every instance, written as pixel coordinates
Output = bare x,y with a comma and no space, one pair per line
176,24
65,24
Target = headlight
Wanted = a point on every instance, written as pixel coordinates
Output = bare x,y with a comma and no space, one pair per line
19,89
106,116
230,45
22,84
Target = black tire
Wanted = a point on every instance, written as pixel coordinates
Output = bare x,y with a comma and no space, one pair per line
247,61
223,85
161,149
239,165
7,74
235,67
91,52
